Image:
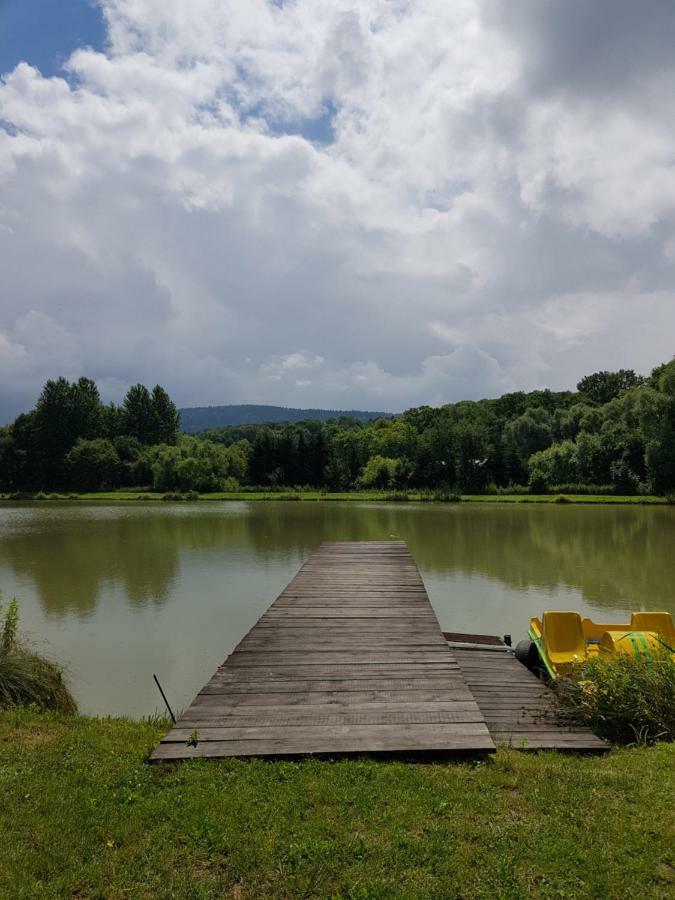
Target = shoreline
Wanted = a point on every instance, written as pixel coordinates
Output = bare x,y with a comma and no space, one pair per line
135,496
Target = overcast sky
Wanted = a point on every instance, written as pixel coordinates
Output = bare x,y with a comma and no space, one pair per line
340,203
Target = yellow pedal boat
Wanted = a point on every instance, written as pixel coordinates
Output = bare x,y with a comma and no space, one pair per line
560,640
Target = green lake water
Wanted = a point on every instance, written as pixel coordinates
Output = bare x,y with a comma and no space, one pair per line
119,591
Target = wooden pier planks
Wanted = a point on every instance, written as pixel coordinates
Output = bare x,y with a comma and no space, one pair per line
349,659
519,709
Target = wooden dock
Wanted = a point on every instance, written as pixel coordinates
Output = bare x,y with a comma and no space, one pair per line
349,659
520,710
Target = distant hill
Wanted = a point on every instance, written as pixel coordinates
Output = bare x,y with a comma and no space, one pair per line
197,418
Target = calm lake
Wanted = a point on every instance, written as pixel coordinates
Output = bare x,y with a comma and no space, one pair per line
120,591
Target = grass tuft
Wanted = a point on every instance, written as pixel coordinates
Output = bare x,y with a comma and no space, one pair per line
27,679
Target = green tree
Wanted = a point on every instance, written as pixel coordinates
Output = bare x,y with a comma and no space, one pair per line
593,458
192,465
135,468
660,455
92,465
624,479
472,465
601,387
661,460
166,420
567,422
263,461
349,451
436,459
557,465
54,431
527,434
87,411
138,414
112,421
238,456
8,459
380,472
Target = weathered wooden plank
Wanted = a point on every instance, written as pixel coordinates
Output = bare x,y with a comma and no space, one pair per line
320,672
359,612
330,699
359,735
362,732
374,627
300,685
352,656
336,642
297,646
347,706
457,636
348,602
439,743
438,714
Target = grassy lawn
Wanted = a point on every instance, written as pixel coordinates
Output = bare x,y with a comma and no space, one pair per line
362,496
82,814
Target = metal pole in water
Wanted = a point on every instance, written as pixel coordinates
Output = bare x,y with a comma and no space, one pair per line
173,718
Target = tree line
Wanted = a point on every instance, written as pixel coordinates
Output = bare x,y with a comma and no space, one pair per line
72,440
616,432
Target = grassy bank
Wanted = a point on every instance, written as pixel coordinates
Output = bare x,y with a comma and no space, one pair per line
84,815
356,496
26,678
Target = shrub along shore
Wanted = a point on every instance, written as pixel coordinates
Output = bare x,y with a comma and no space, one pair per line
84,814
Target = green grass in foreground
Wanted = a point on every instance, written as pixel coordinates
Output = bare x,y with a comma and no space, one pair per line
362,496
83,814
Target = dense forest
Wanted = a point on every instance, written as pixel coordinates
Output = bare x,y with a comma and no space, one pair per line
616,433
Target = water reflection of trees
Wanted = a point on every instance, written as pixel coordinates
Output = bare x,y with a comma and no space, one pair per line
615,556
70,562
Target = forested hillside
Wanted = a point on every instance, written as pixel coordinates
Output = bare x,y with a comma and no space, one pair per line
197,418
616,433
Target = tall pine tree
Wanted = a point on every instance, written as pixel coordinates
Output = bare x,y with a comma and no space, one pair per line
54,431
138,415
166,419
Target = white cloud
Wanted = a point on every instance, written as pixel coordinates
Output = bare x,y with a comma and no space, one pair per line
470,221
300,360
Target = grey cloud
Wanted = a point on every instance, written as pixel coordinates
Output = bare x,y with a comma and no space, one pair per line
484,220
588,46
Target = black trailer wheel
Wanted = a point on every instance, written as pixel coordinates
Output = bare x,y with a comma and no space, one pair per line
527,654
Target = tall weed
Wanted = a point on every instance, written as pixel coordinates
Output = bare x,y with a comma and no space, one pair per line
9,621
626,699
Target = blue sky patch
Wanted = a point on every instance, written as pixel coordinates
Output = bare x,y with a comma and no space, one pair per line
320,129
44,33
